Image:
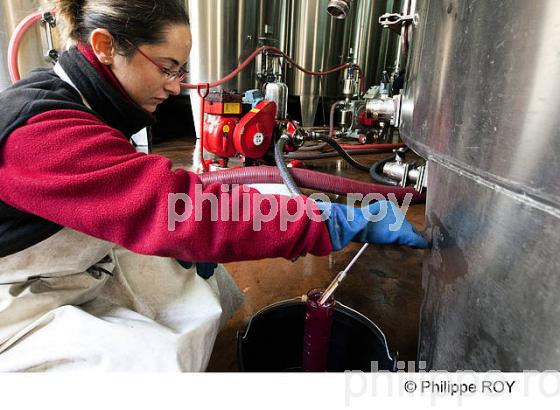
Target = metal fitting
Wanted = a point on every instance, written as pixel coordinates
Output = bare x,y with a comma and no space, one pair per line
339,8
406,173
381,109
395,21
351,83
278,92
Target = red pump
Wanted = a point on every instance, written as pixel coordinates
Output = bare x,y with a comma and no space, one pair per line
253,134
222,113
227,133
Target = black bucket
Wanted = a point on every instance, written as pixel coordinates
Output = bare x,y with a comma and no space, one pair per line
272,341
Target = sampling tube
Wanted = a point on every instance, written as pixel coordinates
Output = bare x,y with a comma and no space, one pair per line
317,332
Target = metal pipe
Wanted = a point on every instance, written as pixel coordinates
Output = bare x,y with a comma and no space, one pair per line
339,8
341,276
376,172
331,117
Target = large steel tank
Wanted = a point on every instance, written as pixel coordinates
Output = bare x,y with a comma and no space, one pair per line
224,33
33,47
319,42
272,21
372,47
315,40
482,104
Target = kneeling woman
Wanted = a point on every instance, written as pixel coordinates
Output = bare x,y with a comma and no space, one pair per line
89,276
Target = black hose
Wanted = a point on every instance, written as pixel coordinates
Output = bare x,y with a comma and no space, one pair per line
307,156
282,168
343,153
376,172
330,140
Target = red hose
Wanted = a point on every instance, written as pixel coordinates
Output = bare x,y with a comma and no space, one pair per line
241,67
27,22
259,50
307,179
15,43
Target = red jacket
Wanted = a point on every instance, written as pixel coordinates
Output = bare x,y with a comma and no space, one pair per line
72,168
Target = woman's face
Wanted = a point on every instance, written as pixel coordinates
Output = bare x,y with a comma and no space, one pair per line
142,79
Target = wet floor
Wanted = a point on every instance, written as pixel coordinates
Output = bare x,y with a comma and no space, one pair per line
384,285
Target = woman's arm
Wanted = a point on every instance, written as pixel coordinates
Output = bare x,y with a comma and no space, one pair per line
70,168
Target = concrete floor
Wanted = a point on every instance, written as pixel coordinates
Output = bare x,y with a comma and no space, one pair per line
384,285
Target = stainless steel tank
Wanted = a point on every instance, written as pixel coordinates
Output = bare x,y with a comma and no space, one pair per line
372,47
224,33
33,47
482,104
273,15
319,42
308,44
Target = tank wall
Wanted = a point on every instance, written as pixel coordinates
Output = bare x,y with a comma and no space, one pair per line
274,13
481,104
224,33
313,32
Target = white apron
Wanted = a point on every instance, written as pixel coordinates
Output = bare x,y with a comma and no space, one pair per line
150,315
73,302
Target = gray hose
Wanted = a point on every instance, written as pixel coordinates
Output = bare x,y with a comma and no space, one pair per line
282,168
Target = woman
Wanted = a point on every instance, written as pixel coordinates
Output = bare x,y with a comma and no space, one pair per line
88,271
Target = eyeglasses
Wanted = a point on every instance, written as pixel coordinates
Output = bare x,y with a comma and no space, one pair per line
171,75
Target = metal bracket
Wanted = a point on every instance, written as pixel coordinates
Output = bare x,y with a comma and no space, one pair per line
396,21
50,23
419,186
422,181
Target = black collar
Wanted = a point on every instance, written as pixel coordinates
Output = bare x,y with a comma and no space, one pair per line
110,105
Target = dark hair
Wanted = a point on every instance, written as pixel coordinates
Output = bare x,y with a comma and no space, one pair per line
139,21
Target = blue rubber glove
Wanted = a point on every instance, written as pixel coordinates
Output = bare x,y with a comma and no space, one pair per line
384,226
204,269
